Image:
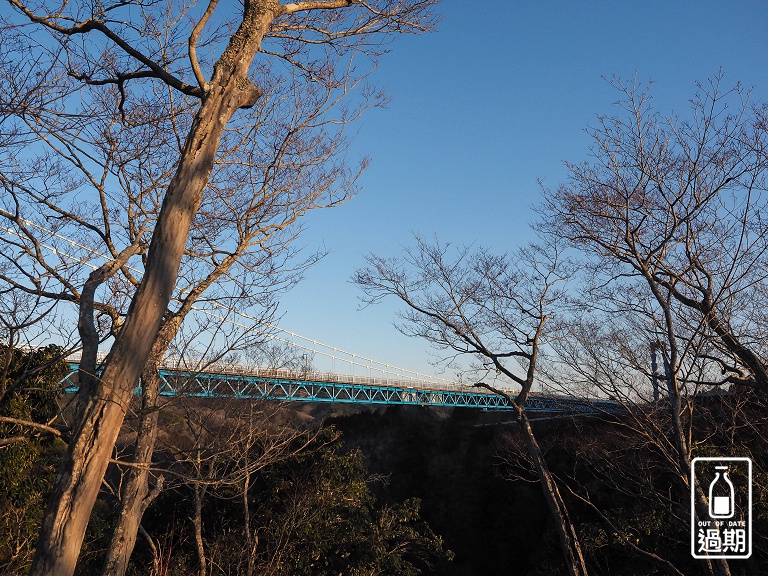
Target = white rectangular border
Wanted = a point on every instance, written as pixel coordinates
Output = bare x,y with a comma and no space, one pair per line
693,508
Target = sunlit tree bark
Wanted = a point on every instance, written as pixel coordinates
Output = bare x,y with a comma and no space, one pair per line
117,51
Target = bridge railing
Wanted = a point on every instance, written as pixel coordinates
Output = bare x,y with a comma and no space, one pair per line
317,376
248,370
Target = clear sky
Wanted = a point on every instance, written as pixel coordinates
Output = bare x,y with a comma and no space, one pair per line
497,98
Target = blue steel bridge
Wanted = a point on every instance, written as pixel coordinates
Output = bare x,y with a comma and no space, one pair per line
396,386
247,382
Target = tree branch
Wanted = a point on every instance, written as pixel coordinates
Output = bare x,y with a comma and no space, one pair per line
28,424
92,24
193,45
319,5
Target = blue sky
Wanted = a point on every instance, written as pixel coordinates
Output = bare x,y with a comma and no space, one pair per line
497,98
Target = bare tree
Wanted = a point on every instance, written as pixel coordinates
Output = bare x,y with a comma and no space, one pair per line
141,482
678,203
223,447
608,352
142,65
136,493
496,310
668,218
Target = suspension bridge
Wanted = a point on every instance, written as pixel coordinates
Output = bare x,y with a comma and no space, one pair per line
382,384
247,382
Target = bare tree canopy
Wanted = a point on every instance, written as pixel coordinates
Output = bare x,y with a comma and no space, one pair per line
668,215
492,308
192,137
678,202
497,310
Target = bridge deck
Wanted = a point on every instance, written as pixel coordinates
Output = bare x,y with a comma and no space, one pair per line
287,385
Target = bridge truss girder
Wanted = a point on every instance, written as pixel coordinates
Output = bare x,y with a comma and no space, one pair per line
243,386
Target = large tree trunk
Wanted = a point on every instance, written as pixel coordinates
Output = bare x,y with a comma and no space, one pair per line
735,347
136,496
82,470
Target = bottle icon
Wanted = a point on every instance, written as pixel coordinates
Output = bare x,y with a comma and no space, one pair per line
721,494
